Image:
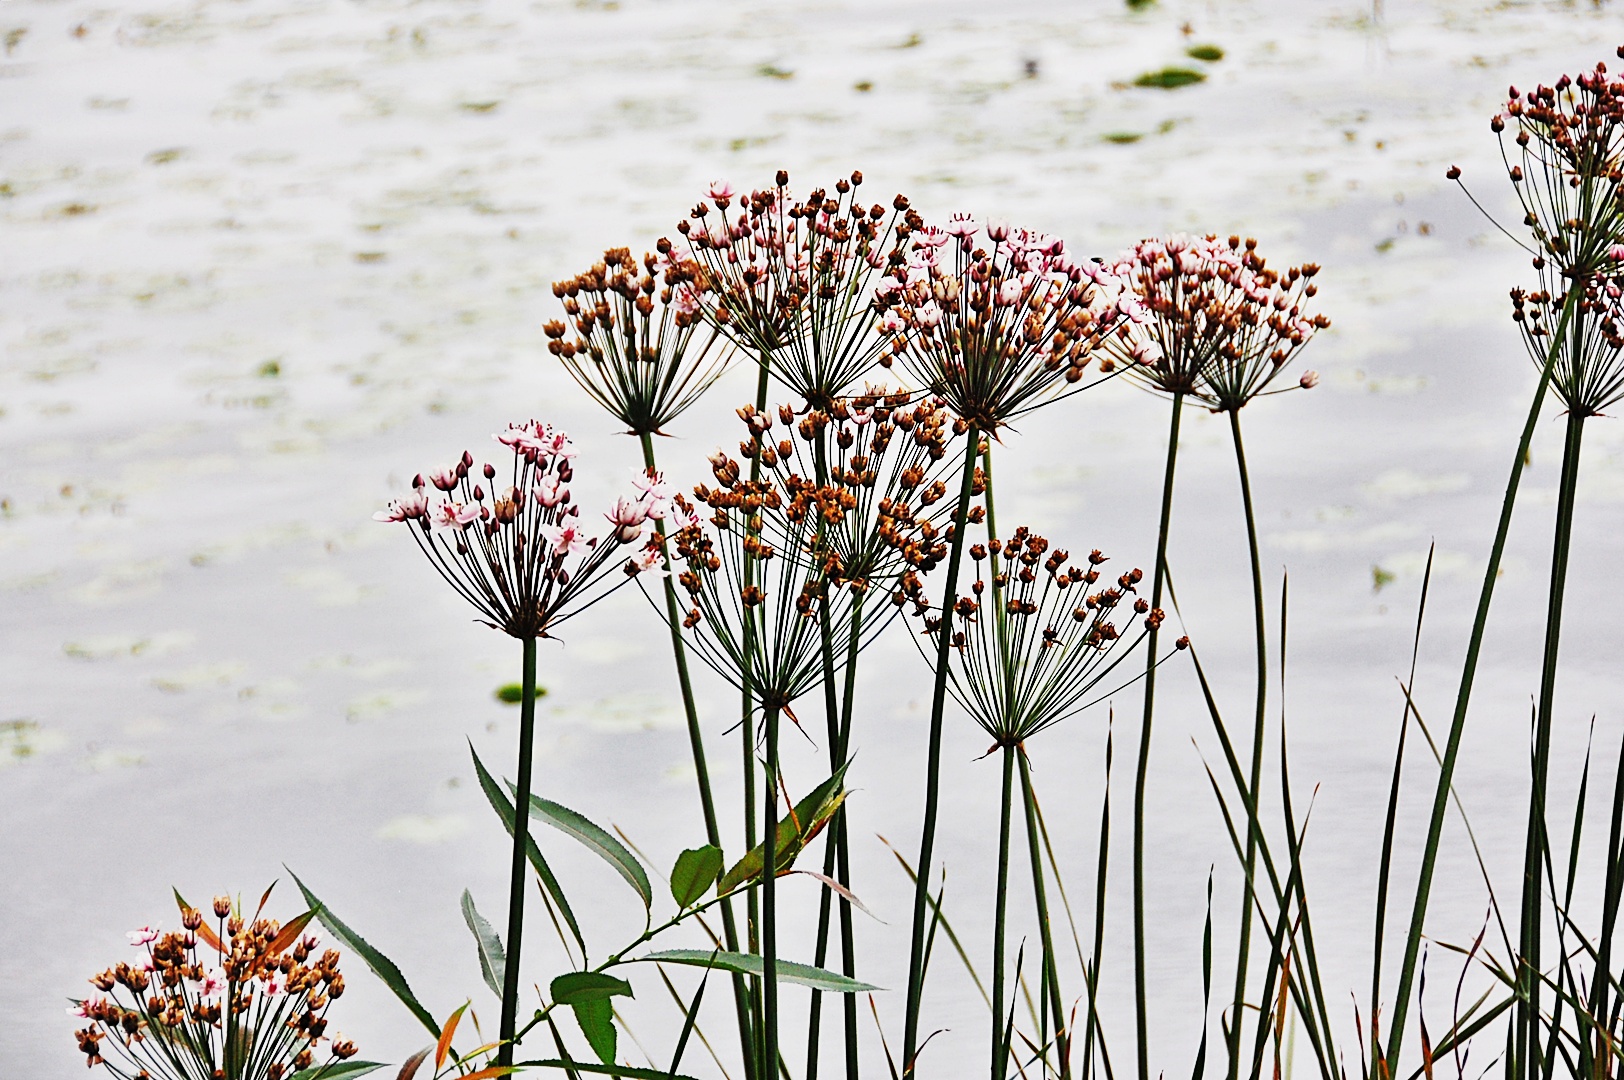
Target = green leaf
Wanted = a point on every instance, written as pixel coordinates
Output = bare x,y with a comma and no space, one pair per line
693,874
795,831
383,967
749,964
597,1020
578,986
492,958
605,1070
337,1070
504,810
609,849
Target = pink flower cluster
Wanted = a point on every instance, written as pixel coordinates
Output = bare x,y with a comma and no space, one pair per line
518,549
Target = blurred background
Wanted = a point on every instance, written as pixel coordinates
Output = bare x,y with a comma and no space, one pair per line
263,260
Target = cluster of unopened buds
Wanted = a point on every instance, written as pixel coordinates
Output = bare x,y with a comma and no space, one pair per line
169,1011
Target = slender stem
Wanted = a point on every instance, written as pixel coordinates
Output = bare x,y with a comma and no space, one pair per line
933,764
1243,949
518,878
848,941
752,1051
1040,896
1528,968
831,708
696,744
1463,697
1141,1011
769,899
1000,1052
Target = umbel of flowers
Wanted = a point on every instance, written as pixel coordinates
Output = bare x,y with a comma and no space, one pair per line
241,999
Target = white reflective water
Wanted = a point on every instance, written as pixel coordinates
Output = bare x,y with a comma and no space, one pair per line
265,259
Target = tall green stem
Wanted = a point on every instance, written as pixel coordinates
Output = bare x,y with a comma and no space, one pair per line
747,734
831,709
1000,1052
1463,697
1243,950
696,744
1528,970
1040,896
520,872
769,900
1141,1010
933,763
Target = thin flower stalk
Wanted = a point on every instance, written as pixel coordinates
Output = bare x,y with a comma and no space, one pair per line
1246,322
994,332
520,555
246,999
791,281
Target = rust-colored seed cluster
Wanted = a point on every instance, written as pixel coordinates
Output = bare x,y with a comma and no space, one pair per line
1589,378
260,1012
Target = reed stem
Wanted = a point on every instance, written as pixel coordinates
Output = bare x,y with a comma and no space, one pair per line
1000,1052
769,899
1040,896
1243,948
696,744
1141,1009
1528,968
752,1052
933,764
517,879
1463,697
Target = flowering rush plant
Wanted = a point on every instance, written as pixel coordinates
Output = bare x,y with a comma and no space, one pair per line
519,552
244,999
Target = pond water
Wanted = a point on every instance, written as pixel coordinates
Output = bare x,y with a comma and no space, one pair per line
265,259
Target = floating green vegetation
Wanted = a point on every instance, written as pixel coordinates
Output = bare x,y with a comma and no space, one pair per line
1380,579
863,86
479,106
513,693
1123,136
270,369
1384,246
1140,5
773,71
1210,53
1170,78
913,41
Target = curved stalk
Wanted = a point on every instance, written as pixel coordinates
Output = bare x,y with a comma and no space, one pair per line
1000,1052
520,871
696,744
1243,949
1040,895
933,765
1463,697
1528,968
1141,1012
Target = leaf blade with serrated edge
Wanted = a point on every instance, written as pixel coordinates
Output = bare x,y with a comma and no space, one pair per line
380,965
748,964
337,1070
694,873
598,840
492,957
504,810
795,830
597,1020
576,986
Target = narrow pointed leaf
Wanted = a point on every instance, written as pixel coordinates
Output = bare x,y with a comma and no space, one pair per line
597,1020
605,1070
492,957
447,1033
339,1070
488,1073
409,1067
504,810
694,873
749,964
381,966
578,986
290,933
607,848
209,937
795,830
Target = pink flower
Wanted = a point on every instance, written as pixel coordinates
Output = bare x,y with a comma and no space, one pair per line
997,230
516,435
565,540
647,560
454,515
927,314
551,491
627,517
211,986
444,478
931,236
1616,253
1009,293
962,226
719,189
1309,380
410,508
684,301
146,935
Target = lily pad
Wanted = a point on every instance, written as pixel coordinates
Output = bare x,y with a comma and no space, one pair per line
1170,78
